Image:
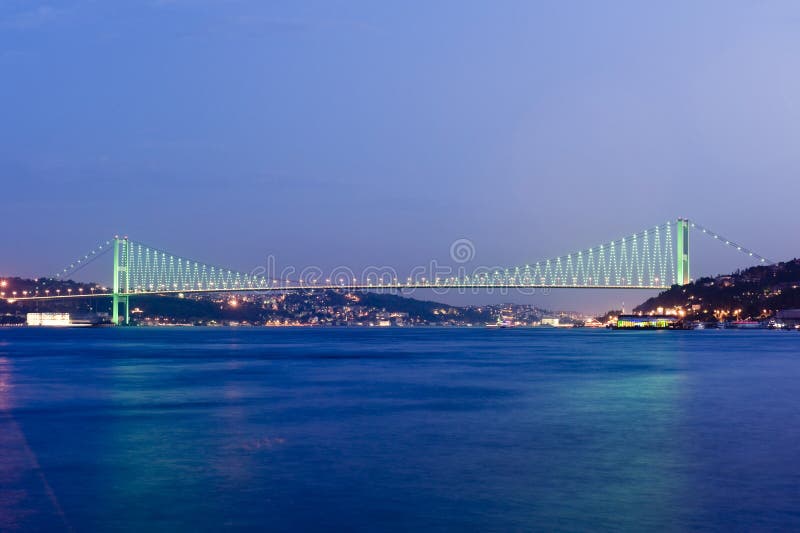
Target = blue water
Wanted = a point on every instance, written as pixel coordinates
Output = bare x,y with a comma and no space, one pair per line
145,429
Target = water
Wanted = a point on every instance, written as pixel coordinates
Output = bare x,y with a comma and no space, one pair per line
398,429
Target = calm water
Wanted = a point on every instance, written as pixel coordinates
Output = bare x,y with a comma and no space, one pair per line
416,429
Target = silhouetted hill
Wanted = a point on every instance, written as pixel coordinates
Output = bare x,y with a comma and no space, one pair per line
305,307
756,292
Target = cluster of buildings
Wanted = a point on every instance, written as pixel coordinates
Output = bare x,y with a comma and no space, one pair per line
677,318
314,308
765,296
311,308
328,308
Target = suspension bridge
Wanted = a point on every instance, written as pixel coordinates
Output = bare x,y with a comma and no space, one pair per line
656,258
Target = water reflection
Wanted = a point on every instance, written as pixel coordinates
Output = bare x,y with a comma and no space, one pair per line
619,459
27,501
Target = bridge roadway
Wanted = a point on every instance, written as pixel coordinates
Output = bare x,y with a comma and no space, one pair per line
312,287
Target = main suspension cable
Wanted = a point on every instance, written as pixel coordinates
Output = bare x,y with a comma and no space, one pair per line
77,265
732,244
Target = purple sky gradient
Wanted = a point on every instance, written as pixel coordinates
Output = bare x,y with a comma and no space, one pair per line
361,133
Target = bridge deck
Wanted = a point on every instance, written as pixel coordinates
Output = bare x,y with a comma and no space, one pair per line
313,287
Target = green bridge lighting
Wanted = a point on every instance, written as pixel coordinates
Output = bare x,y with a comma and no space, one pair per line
655,258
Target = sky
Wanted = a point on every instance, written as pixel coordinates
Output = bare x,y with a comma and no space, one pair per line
378,133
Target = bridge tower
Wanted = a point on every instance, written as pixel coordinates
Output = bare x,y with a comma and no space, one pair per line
682,276
121,280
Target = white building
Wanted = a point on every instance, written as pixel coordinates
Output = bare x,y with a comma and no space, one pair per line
48,319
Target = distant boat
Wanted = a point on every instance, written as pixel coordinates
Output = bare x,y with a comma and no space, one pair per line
646,322
504,320
745,324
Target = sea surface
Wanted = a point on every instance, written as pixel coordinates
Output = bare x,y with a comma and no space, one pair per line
193,429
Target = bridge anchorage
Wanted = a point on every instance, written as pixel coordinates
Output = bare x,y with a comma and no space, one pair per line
655,258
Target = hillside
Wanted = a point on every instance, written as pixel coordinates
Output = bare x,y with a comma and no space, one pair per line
322,307
756,292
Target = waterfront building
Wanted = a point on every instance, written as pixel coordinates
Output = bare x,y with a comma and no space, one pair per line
646,322
48,319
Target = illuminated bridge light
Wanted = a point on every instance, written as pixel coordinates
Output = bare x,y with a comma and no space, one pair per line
644,259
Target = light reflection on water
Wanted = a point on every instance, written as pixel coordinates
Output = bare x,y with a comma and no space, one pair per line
195,429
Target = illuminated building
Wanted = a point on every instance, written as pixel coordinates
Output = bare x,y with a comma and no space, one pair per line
646,322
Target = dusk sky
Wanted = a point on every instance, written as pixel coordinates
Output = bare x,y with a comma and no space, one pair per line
356,133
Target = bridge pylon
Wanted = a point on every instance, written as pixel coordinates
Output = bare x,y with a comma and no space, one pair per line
682,259
656,259
121,280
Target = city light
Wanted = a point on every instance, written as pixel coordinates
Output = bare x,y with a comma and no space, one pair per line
643,260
